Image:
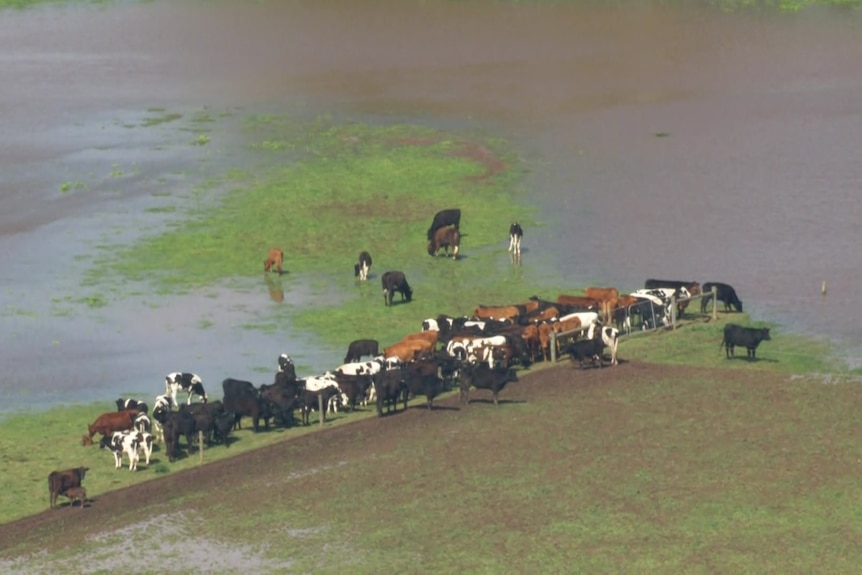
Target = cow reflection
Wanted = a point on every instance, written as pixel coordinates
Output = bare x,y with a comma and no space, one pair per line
276,292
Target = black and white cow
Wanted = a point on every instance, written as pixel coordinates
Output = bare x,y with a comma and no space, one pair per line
122,442
443,218
747,337
515,235
191,383
161,407
362,268
132,404
610,337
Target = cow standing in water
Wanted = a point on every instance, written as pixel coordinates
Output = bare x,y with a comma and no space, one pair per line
274,260
362,268
515,235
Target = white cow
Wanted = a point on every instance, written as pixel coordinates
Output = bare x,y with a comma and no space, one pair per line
184,381
121,442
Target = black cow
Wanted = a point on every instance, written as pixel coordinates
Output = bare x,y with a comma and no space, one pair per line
389,387
747,337
361,269
282,400
255,407
443,218
725,293
204,416
222,427
483,377
286,366
429,385
238,388
175,424
515,235
587,349
61,481
394,281
361,347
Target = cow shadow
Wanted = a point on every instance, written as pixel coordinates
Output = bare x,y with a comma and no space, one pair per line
490,401
424,407
752,360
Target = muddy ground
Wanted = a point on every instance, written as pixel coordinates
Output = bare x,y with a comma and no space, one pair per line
320,449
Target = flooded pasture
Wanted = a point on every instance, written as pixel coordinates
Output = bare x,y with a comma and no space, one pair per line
662,141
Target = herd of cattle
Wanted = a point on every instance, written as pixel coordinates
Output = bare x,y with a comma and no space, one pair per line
478,351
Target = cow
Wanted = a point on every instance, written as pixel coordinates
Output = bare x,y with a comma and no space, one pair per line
689,287
445,238
60,481
610,337
286,368
204,415
747,337
483,377
175,424
724,293
191,383
109,422
407,350
132,404
515,235
605,296
354,388
310,400
242,399
428,384
274,260
443,218
389,387
143,423
362,268
512,312
394,281
577,303
282,400
587,349
123,443
76,494
361,347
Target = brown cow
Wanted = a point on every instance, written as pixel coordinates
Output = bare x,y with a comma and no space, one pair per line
430,336
76,494
274,260
581,302
498,312
444,238
109,422
544,315
407,350
544,330
605,295
59,482
619,310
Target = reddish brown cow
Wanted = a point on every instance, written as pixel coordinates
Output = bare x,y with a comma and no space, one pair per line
544,331
273,260
109,422
579,301
430,336
407,350
605,295
501,312
59,482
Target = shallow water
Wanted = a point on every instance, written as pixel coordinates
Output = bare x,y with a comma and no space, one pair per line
663,142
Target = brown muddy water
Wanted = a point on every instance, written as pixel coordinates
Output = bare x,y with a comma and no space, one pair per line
662,141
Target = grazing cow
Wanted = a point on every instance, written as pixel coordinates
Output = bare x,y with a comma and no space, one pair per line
443,218
59,482
361,269
483,377
724,293
191,383
445,238
394,281
76,494
274,260
515,235
361,347
132,404
123,443
109,422
747,337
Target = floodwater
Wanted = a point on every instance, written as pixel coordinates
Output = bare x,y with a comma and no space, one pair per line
669,142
